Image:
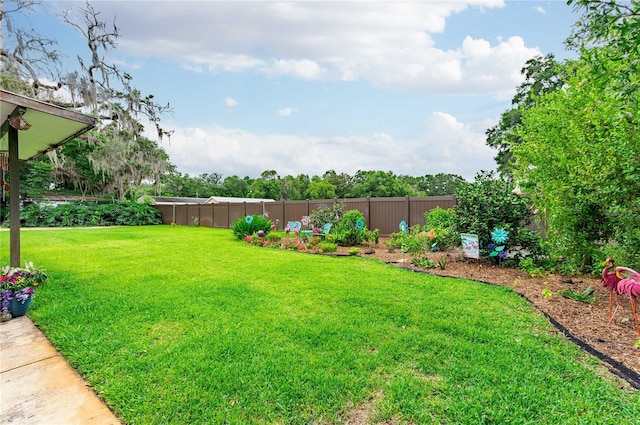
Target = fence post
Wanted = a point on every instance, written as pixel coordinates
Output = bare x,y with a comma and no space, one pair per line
408,210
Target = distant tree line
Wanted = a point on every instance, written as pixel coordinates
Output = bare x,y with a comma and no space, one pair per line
328,186
76,175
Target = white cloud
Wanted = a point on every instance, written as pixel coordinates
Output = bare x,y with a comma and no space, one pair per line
286,112
446,146
540,10
388,44
229,101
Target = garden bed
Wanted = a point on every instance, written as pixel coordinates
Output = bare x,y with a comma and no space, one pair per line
588,323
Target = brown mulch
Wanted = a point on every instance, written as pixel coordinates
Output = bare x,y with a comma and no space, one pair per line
585,324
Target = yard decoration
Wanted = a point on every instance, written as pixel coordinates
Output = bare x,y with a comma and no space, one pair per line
610,281
18,287
404,228
250,225
630,286
500,237
470,245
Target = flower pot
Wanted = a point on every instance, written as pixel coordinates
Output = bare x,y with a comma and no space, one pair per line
17,308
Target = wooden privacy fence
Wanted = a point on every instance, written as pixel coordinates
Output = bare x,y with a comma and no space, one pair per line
379,213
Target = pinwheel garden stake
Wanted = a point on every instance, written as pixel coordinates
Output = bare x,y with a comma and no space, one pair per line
499,236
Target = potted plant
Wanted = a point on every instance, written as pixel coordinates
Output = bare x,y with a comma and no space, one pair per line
17,286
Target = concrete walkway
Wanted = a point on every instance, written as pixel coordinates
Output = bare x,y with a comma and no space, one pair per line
38,386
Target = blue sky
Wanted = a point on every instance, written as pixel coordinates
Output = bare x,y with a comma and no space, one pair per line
305,87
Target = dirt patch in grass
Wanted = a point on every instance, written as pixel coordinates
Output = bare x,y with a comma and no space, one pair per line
587,323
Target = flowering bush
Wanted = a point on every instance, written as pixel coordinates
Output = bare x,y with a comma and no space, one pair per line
18,283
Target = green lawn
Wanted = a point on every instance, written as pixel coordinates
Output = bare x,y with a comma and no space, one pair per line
186,325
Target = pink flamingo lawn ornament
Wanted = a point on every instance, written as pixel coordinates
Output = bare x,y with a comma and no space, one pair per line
630,286
610,281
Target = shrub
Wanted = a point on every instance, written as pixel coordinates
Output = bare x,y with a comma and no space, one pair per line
327,246
444,223
321,216
351,229
90,214
490,203
274,238
424,262
247,226
354,251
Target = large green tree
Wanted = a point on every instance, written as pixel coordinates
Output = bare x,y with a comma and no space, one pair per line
379,184
31,64
542,75
608,39
579,159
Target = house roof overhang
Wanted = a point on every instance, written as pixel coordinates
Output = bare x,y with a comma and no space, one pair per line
50,125
30,128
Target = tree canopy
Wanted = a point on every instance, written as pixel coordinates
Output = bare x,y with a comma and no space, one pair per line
116,150
576,150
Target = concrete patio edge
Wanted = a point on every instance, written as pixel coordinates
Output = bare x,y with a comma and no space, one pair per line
38,386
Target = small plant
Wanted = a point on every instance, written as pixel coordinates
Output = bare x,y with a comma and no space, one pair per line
374,236
390,246
546,293
351,229
442,262
443,223
251,224
585,296
19,284
354,251
424,262
326,246
528,266
313,242
273,237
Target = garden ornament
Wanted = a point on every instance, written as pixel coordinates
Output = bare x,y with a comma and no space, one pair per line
630,286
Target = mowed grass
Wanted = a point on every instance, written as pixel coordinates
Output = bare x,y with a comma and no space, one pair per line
185,325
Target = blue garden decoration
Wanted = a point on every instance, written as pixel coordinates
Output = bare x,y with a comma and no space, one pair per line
249,219
360,224
499,236
404,228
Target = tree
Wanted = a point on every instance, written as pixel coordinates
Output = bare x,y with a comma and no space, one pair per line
72,168
440,184
266,186
379,184
294,187
579,160
30,61
607,37
321,189
542,75
342,182
236,187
